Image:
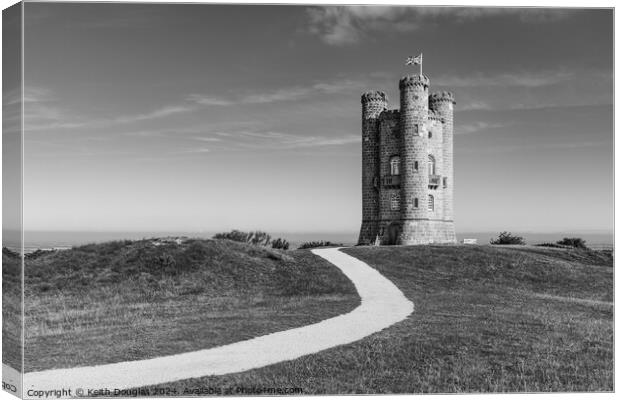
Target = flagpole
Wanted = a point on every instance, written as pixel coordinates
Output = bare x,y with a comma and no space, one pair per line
421,60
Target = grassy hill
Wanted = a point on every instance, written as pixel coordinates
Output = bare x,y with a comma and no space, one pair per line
132,300
11,308
487,319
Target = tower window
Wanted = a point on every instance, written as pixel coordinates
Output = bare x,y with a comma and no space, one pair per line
395,201
416,129
445,182
395,165
415,203
415,165
431,202
430,134
431,165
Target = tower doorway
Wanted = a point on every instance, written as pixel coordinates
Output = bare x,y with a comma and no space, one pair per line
393,233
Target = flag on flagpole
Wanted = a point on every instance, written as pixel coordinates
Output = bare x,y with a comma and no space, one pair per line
414,60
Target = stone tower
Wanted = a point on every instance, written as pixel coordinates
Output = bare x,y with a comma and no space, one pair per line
407,166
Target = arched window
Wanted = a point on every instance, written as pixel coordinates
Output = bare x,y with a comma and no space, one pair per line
431,202
431,165
395,201
395,165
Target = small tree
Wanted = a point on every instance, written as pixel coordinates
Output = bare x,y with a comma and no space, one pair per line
280,243
573,242
259,238
508,238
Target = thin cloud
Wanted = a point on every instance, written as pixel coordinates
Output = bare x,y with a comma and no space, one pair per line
524,79
279,140
544,146
476,127
346,25
200,150
208,100
474,105
207,139
281,95
159,113
41,111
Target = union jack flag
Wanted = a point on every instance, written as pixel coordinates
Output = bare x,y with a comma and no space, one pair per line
414,60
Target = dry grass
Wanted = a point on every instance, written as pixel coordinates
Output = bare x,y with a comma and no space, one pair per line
11,309
487,319
123,301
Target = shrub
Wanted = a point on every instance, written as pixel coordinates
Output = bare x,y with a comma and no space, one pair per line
235,236
322,243
508,238
280,243
555,245
259,238
573,242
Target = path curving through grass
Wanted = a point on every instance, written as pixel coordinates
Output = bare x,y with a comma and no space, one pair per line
382,305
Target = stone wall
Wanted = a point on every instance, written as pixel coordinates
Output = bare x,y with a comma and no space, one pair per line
389,146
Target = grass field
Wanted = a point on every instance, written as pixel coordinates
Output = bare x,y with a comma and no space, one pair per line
487,319
11,309
121,301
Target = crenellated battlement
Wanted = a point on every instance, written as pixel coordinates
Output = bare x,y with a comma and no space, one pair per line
441,96
413,80
374,96
435,116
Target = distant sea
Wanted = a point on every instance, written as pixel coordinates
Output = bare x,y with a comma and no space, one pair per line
66,239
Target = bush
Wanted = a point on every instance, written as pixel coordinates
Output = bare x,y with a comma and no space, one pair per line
235,236
280,243
312,245
256,238
259,238
573,242
554,245
508,238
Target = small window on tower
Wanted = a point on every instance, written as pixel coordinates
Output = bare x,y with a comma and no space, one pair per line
415,165
415,203
431,202
430,134
416,129
431,165
395,165
395,201
445,182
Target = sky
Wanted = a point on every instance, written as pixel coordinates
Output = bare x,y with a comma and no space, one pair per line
214,117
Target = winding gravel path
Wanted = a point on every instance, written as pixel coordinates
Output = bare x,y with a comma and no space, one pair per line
383,304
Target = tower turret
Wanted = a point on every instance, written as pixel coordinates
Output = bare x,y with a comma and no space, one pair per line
373,104
443,105
414,157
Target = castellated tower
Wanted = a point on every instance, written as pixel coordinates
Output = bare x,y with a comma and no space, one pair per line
407,166
373,104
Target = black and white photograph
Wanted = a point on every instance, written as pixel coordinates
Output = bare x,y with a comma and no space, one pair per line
227,199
